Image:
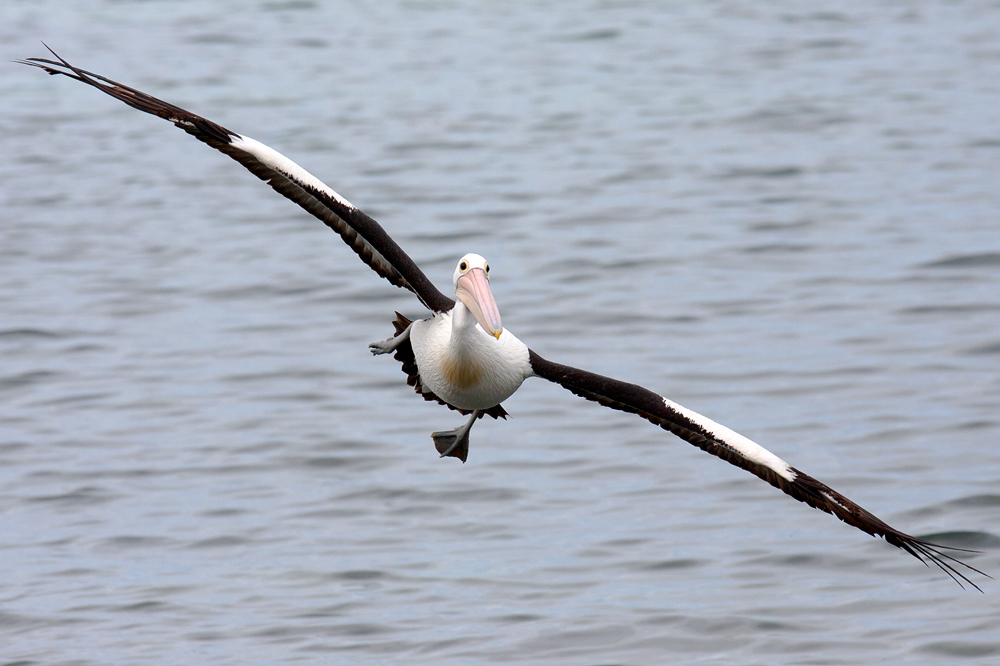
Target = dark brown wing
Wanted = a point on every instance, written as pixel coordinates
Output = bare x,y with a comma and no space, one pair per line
738,450
363,234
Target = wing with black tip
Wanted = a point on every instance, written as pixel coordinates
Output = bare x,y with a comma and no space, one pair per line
363,234
736,449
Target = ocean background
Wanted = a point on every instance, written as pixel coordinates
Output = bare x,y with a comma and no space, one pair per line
782,215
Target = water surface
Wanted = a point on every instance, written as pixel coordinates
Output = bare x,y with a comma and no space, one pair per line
784,218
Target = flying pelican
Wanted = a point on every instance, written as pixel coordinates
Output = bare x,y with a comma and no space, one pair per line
463,357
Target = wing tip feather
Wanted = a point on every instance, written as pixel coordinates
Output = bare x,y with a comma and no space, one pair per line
791,481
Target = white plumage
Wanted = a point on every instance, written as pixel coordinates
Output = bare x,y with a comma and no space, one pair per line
464,365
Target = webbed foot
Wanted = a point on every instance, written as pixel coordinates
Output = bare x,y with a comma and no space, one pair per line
383,346
390,345
454,443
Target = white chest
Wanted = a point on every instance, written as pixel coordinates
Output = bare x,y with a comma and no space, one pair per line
465,366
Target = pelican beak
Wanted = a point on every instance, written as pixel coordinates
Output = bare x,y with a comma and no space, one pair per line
473,289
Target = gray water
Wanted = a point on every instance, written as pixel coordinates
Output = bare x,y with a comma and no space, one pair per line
782,217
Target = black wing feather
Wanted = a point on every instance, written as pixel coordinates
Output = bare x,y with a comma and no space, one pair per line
635,399
363,234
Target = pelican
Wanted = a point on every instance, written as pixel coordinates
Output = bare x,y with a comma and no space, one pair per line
463,357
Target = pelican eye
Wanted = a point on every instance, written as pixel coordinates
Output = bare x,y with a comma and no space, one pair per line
464,266
487,269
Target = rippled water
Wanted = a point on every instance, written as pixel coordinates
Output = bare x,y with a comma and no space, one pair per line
784,218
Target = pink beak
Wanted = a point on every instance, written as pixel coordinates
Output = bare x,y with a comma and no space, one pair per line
473,289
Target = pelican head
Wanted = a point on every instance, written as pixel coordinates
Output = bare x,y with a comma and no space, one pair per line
472,288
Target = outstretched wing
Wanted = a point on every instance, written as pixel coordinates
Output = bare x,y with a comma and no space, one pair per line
363,234
736,449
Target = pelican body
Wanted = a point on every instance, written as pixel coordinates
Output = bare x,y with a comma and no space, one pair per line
462,356
465,356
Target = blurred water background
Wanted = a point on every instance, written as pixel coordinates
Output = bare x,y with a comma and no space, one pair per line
781,215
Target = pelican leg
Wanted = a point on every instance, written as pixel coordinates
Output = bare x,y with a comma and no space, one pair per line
455,443
390,344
